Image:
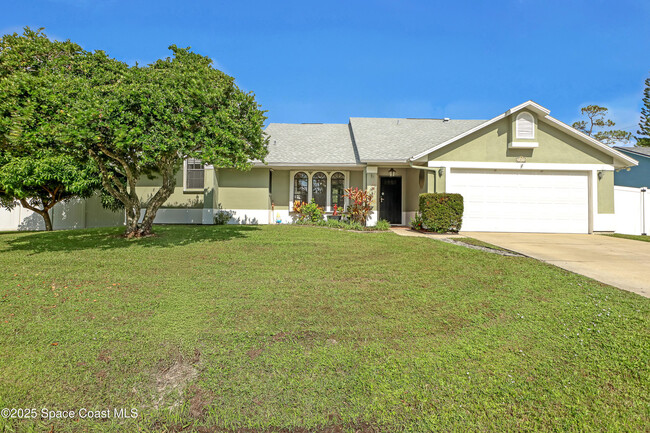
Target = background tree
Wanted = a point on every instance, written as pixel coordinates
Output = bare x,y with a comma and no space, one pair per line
643,137
33,170
596,124
144,121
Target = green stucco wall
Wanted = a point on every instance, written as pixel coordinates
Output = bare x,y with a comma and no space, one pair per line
491,145
244,189
413,188
435,181
281,188
356,179
179,199
606,193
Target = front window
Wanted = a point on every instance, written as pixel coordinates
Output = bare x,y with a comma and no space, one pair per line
194,174
319,189
300,185
338,189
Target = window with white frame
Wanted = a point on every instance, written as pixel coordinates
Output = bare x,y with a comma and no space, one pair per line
525,126
194,173
300,187
319,189
325,188
337,190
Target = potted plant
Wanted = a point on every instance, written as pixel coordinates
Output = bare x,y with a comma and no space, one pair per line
335,215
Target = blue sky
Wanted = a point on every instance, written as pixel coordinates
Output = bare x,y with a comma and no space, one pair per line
325,61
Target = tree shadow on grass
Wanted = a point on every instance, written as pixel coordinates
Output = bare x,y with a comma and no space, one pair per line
111,238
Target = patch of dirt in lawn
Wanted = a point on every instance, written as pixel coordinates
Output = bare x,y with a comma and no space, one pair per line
172,380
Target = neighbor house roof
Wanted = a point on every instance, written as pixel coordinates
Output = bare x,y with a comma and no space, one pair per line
636,150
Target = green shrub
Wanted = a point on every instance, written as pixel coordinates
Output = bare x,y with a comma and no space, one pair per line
416,223
308,212
221,216
441,212
382,225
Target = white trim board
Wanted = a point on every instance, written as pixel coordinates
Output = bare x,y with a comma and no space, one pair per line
520,166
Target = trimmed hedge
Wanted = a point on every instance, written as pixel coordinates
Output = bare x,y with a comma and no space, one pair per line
442,212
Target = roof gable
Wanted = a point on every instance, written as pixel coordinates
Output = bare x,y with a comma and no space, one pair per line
620,159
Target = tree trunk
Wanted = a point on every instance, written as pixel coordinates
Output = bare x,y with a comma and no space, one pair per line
161,196
132,218
42,212
47,219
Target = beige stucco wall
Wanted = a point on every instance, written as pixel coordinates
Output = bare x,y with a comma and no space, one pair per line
244,189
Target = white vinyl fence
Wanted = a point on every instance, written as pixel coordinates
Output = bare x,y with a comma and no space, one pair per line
632,206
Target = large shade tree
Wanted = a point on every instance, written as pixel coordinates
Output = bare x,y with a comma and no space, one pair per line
144,121
33,168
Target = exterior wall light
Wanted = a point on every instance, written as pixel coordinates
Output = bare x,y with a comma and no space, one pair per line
391,172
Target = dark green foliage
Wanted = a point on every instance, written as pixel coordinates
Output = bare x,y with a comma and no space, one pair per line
643,139
34,169
441,212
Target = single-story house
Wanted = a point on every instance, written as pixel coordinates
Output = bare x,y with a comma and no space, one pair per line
521,171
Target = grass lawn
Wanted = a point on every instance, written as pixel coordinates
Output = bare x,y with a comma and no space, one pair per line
295,329
633,237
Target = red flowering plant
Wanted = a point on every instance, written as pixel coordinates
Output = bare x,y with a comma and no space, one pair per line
360,205
308,212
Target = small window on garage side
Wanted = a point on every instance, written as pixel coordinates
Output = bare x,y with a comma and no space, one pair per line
193,174
525,126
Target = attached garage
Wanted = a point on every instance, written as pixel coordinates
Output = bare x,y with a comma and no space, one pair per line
536,201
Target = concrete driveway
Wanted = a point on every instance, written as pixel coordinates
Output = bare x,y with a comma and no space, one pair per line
622,263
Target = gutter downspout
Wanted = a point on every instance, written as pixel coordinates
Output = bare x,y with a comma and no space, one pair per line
434,169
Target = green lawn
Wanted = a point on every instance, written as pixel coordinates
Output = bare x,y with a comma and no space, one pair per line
295,329
633,237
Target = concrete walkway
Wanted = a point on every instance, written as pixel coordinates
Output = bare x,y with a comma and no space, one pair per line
622,263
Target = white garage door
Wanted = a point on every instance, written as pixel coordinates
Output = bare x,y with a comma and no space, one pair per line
522,201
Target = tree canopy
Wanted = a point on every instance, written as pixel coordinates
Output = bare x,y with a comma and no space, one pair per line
597,125
33,169
134,121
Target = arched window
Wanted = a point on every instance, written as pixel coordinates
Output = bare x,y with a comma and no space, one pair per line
300,185
525,126
338,189
319,189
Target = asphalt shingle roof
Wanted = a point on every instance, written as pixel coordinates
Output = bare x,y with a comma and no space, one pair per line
310,144
400,139
363,139
636,149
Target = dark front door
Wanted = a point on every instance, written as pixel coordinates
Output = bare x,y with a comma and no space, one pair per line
390,199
